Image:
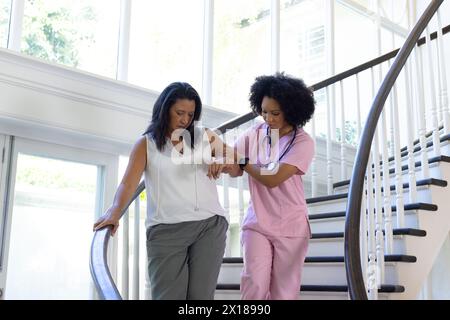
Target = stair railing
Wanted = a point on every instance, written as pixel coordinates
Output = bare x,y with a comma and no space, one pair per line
364,224
100,272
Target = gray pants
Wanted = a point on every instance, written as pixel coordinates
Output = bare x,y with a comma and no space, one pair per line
184,259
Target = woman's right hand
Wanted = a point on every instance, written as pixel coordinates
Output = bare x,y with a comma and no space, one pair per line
109,218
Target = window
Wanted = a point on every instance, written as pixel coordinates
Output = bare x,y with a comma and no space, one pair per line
81,34
54,206
241,51
5,12
166,43
302,40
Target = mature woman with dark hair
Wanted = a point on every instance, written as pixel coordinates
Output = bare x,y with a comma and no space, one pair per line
186,225
275,154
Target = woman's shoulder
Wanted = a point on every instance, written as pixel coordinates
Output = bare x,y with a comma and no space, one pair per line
304,137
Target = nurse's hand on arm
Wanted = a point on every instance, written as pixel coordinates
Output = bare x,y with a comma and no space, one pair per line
223,156
127,187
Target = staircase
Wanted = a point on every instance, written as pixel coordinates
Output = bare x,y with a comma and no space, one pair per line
415,248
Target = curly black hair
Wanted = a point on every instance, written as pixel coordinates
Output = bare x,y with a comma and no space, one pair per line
294,97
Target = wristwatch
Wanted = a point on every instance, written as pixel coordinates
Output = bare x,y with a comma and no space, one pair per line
243,162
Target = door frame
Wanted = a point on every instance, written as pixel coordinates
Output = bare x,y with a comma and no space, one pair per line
106,181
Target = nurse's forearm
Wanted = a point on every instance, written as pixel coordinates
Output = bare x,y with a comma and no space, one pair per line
284,172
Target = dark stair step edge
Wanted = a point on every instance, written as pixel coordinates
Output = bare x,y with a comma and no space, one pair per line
396,232
410,206
404,168
417,147
419,183
334,259
385,288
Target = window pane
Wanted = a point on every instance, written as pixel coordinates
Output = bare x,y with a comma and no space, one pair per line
51,232
302,40
241,50
5,11
81,34
347,55
166,43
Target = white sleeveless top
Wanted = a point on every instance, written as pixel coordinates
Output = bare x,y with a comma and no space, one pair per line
177,187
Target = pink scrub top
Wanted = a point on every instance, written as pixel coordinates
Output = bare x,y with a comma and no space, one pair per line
279,211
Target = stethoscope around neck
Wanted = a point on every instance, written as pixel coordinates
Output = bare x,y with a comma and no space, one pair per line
269,142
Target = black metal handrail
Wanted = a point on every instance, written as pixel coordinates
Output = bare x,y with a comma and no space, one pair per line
98,258
357,289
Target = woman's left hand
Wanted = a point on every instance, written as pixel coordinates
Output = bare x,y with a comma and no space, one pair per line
215,169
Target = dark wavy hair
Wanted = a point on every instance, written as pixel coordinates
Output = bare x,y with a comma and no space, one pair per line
294,97
159,125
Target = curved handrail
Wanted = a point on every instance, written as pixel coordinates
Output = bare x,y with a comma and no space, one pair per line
98,259
352,256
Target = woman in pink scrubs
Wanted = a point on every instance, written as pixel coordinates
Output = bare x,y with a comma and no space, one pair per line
275,155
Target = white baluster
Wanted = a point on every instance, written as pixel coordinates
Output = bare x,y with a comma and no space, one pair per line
397,161
444,104
125,255
434,115
378,209
371,272
240,183
363,230
226,206
358,109
136,241
333,111
329,145
313,163
388,234
391,99
410,135
386,202
343,162
421,113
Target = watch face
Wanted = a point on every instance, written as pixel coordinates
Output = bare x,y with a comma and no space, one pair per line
271,166
243,162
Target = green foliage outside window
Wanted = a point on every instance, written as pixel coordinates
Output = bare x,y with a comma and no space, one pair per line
54,33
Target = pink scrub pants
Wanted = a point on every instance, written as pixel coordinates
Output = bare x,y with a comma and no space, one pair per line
272,266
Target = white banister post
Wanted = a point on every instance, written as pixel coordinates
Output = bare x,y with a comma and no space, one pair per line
329,145
421,116
136,241
314,173
363,229
240,182
397,161
226,206
371,272
358,108
434,111
343,162
331,61
410,145
444,101
388,233
125,255
379,243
